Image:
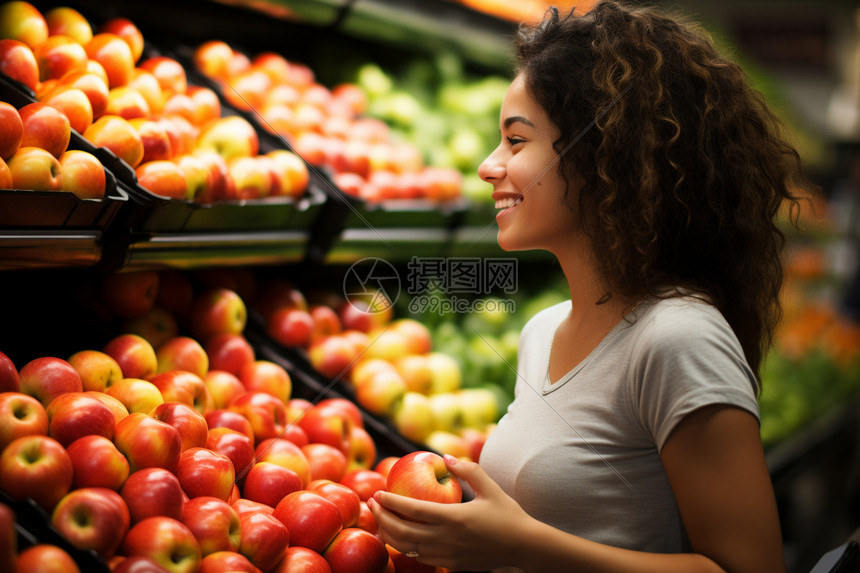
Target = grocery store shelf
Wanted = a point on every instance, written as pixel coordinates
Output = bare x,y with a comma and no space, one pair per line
29,249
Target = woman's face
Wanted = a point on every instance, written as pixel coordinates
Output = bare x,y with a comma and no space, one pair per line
527,186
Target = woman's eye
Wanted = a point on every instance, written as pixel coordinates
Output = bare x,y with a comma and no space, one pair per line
514,140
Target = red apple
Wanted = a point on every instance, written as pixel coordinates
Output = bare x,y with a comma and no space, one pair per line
291,326
147,442
346,500
73,415
125,29
83,174
312,520
230,137
18,61
94,518
136,395
326,321
45,558
424,475
222,561
381,391
37,467
24,22
134,354
276,294
20,415
129,104
185,387
182,353
333,356
362,449
35,169
286,454
12,132
221,418
264,539
302,560
9,381
58,55
191,424
214,524
203,472
206,104
169,72
157,326
153,134
266,413
94,87
45,126
97,463
364,482
130,294
68,22
152,492
291,171
343,407
366,520
269,483
383,466
163,178
136,564
116,407
166,541
8,538
266,376
359,314
220,186
47,377
355,550
230,352
114,54
212,58
326,461
116,134
327,426
217,311
236,446
244,505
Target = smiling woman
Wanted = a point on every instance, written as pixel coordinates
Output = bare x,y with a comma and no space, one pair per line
642,160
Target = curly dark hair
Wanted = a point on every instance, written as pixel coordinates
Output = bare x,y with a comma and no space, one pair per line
683,166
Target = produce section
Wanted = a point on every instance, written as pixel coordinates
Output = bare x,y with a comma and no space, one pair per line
377,153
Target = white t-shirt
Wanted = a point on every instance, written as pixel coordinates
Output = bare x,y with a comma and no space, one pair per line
583,454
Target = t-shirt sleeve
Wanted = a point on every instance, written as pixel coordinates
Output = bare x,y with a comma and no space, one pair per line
687,358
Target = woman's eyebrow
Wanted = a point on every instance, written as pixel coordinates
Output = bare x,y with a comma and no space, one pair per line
517,119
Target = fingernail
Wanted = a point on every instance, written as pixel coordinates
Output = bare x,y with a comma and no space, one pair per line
376,496
451,460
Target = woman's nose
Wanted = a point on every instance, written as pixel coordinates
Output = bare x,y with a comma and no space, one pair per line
492,168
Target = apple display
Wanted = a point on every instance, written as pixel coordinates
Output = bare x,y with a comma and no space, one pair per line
147,442
97,463
73,415
214,524
93,518
424,475
355,550
116,134
46,127
12,130
137,395
269,483
24,22
152,492
35,169
166,541
190,423
47,377
20,415
18,61
169,73
264,539
312,520
83,174
66,21
37,467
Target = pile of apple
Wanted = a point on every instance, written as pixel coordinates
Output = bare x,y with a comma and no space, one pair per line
387,363
143,110
35,154
326,126
193,453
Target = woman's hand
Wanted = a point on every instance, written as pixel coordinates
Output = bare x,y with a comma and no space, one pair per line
479,534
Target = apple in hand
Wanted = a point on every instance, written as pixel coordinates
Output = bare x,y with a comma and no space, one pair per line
20,415
269,483
152,492
18,61
37,467
47,377
355,550
147,442
424,475
166,541
312,520
94,518
264,539
97,463
214,524
76,414
190,423
83,174
35,169
222,561
202,472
